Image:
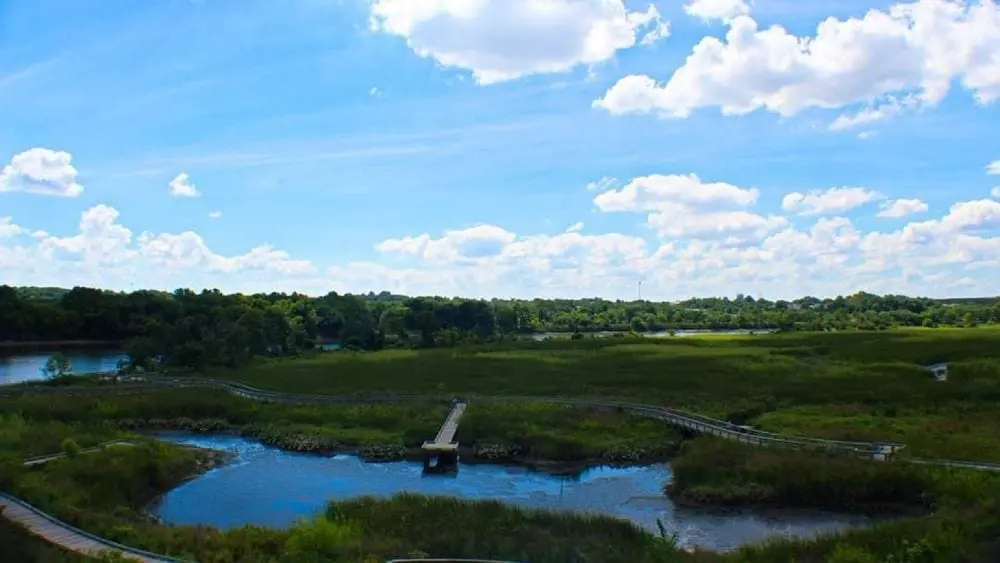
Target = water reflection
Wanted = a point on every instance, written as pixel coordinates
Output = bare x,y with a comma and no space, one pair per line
20,366
265,486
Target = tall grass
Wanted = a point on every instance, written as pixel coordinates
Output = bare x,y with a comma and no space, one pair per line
838,385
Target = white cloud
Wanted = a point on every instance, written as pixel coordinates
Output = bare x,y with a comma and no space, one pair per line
753,254
919,49
823,202
41,171
733,226
865,135
993,168
575,228
8,229
685,206
972,216
214,214
470,244
501,40
901,208
181,186
605,183
717,9
655,192
995,192
890,107
105,253
375,92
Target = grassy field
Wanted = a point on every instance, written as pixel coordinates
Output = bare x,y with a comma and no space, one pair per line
36,425
850,385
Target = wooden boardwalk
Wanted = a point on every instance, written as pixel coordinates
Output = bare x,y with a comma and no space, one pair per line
40,460
446,435
66,536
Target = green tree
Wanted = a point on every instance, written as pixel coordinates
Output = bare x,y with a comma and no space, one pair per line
56,367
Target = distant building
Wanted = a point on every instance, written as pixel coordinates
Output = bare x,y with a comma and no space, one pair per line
939,370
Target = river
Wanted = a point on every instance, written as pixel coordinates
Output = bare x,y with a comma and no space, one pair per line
21,365
657,334
269,487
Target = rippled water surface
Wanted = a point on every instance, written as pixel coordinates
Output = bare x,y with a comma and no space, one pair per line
266,486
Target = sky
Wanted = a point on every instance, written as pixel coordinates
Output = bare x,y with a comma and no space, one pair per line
502,148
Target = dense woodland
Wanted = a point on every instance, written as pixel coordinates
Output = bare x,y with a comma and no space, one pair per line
211,328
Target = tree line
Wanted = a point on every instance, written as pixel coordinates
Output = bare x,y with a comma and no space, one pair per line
212,328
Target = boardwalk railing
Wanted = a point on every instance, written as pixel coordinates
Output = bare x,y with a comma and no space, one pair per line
70,530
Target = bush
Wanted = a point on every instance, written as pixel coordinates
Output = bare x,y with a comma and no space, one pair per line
70,448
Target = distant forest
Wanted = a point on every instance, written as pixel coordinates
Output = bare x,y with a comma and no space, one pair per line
211,328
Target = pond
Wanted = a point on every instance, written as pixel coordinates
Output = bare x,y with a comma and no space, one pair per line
21,365
268,487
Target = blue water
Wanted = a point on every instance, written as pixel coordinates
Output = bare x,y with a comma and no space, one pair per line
268,487
16,367
657,334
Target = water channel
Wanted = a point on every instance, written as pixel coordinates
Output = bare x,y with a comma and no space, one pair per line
26,365
268,487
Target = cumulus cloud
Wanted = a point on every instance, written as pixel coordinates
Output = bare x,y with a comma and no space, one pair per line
823,202
717,9
104,252
575,228
41,171
993,168
181,186
995,192
473,243
499,40
830,256
656,192
214,214
901,208
685,206
916,49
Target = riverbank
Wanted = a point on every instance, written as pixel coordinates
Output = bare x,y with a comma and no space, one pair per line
550,437
63,487
715,472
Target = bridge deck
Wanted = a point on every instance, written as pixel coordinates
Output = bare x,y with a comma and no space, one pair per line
63,535
445,439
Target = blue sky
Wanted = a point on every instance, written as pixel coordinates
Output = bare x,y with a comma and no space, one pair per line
500,148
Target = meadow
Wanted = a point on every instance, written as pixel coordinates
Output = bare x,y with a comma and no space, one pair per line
838,385
851,385
34,425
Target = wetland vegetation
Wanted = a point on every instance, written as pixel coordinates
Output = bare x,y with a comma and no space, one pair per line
849,385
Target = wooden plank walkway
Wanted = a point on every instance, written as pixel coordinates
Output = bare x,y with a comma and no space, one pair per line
66,536
446,435
99,448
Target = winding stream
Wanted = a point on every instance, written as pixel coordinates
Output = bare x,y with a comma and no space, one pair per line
269,487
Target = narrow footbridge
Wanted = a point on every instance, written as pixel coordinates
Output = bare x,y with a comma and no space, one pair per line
43,459
441,454
68,537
